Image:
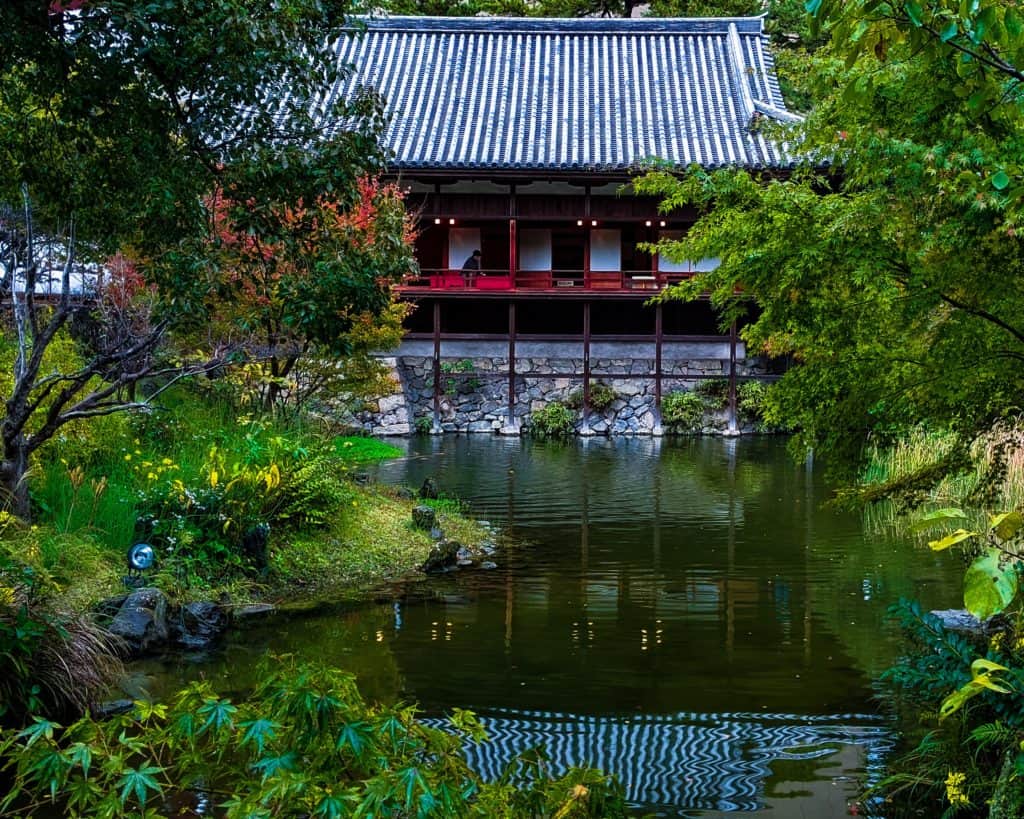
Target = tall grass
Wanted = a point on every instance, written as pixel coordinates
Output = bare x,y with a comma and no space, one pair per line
992,480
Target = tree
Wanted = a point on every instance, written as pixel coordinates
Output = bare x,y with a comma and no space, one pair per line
887,263
325,272
122,117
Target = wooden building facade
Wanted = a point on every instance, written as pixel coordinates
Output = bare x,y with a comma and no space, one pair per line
518,138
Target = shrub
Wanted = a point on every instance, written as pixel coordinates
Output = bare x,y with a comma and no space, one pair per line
303,744
51,662
555,420
601,397
750,400
714,391
683,411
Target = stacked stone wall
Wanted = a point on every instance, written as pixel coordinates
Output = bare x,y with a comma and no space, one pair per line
475,393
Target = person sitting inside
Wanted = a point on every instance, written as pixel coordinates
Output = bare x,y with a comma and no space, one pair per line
472,264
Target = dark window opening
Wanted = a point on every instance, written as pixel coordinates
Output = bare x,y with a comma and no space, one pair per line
621,318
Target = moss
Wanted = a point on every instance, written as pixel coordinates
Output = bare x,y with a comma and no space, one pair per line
372,541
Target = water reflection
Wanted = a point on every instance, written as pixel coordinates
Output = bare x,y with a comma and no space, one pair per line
684,613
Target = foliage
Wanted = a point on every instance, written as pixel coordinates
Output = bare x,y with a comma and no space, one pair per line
714,392
601,397
51,661
555,420
751,397
683,411
304,744
899,304
423,425
973,746
456,380
144,127
359,449
316,285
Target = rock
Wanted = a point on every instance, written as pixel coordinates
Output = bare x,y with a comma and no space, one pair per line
488,565
424,517
199,625
254,545
253,611
464,554
442,557
111,708
429,490
464,563
111,606
437,533
405,493
961,621
142,621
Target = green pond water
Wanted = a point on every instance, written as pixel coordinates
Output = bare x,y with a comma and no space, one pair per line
686,614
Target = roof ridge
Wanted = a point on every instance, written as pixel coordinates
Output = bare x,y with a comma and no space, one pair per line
580,25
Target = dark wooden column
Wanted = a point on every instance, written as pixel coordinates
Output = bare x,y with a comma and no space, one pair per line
659,337
586,362
437,363
512,259
733,424
511,363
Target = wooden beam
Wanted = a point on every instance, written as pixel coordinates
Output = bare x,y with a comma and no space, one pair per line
586,362
437,364
733,426
659,339
511,363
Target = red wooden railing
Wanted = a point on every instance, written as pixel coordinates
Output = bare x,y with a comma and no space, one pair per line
553,280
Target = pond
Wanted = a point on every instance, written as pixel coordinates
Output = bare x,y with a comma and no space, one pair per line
686,614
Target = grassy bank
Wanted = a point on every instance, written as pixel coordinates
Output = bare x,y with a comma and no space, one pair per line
196,478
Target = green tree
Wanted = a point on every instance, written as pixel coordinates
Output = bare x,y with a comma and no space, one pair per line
887,262
118,120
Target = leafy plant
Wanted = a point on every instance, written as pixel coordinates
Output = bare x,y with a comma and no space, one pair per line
714,391
555,420
601,397
750,401
683,411
456,381
304,744
423,425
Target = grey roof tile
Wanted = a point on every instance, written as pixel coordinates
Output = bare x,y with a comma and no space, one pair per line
574,95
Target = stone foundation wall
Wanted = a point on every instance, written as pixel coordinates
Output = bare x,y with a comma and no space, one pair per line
475,393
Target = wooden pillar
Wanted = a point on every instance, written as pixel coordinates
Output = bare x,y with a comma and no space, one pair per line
586,363
733,427
659,337
511,363
437,364
512,260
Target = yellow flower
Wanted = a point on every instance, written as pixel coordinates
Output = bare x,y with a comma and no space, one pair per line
127,456
954,791
167,462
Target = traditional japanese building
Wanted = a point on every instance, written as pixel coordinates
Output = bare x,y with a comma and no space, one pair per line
518,138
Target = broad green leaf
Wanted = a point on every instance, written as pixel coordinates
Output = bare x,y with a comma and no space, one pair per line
1007,524
949,32
139,781
812,6
257,731
955,701
914,13
988,586
982,672
1000,180
958,536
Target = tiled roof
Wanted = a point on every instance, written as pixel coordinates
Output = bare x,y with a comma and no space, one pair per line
566,95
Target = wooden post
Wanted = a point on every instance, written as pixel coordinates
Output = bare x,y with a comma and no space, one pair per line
437,364
586,365
659,337
511,363
512,251
732,379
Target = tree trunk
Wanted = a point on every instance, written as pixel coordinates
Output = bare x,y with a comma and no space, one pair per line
14,479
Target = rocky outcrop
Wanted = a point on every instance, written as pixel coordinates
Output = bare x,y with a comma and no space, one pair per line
141,621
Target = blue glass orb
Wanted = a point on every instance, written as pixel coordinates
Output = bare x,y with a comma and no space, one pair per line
141,556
